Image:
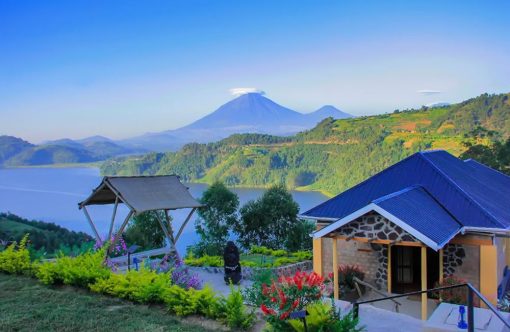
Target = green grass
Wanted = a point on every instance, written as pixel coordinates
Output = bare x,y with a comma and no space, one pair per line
27,305
15,228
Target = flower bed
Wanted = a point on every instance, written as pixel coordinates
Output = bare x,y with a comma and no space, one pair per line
174,288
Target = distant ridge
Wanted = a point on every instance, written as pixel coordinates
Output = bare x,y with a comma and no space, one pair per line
15,151
248,113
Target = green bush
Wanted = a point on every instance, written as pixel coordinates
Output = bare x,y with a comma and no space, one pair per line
142,286
303,255
184,302
16,260
285,261
81,270
253,294
236,314
324,317
216,261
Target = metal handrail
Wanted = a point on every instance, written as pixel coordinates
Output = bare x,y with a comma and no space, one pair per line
366,284
471,291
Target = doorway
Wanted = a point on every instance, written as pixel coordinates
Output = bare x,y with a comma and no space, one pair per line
406,269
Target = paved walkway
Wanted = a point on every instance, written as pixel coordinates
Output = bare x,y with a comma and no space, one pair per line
216,281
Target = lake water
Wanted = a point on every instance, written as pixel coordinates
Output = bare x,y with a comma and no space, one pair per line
52,195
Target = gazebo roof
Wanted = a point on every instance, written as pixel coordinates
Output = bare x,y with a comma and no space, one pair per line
142,193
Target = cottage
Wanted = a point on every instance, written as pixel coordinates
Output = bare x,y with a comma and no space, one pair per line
426,217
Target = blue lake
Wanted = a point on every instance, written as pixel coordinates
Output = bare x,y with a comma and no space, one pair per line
52,195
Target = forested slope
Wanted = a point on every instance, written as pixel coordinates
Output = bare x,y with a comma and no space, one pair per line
336,154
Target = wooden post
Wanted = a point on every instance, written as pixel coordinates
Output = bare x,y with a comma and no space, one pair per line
388,272
424,297
507,251
113,218
336,289
91,223
489,273
317,256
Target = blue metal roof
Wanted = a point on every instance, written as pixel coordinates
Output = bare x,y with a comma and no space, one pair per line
470,193
415,207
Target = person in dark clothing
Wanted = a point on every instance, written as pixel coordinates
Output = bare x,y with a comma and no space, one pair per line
232,265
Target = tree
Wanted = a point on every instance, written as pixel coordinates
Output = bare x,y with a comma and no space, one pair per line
496,155
267,220
299,236
145,230
215,219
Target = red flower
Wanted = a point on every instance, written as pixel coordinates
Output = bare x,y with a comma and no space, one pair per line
266,310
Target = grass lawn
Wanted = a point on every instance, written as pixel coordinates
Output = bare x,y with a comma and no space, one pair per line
27,305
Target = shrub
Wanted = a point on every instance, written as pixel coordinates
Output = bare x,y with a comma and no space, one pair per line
253,295
289,294
81,270
184,302
215,261
324,317
179,273
16,260
346,275
143,286
455,295
236,314
304,255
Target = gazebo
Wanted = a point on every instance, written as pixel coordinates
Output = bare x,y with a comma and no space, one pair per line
141,194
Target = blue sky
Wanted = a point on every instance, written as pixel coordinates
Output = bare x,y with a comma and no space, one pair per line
123,68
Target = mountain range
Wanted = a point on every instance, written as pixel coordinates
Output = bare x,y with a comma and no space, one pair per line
248,113
17,152
335,154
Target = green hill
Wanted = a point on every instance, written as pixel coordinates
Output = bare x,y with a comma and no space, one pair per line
333,156
50,154
10,146
42,235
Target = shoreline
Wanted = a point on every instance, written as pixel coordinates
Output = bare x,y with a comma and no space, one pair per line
98,166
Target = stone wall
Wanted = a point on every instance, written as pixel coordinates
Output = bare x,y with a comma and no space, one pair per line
375,226
352,253
462,261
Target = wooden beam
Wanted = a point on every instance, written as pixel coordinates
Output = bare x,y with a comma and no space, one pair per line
113,218
473,240
91,223
165,230
184,224
489,273
169,224
424,297
388,272
336,288
378,241
119,232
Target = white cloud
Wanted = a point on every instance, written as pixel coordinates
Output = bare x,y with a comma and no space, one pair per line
242,91
428,92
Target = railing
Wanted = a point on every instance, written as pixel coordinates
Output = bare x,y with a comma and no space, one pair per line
470,307
358,282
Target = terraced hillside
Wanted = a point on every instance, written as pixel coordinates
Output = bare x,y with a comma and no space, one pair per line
336,154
